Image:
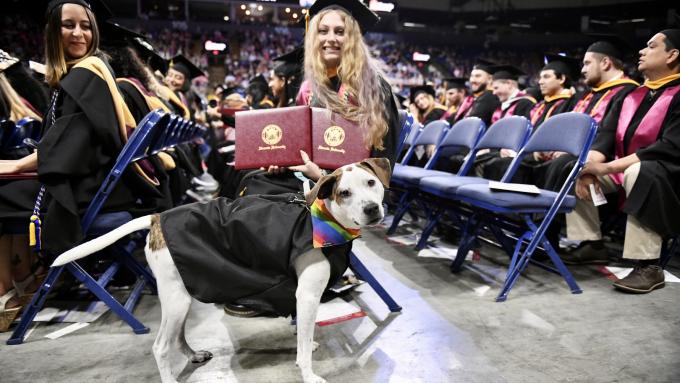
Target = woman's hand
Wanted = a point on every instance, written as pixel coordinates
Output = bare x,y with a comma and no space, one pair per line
309,169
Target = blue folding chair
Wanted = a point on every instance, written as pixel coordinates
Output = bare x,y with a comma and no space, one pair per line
406,123
94,223
462,135
572,133
432,134
508,133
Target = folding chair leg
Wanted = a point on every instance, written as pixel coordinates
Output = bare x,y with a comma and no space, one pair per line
362,272
34,307
668,251
467,239
402,208
105,297
557,261
429,228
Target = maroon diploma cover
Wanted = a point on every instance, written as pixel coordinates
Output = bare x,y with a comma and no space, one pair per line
276,136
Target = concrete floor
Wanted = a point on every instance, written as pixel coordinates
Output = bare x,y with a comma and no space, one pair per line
450,330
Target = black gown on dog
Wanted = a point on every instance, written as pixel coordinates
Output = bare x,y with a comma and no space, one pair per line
243,250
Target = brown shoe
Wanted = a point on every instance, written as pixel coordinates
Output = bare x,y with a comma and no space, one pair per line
642,280
588,252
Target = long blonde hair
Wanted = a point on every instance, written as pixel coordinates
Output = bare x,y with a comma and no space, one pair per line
18,109
359,74
56,65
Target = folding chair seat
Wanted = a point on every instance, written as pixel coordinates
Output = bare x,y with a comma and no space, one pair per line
93,223
491,206
507,133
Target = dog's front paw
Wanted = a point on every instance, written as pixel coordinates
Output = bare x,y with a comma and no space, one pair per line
201,356
312,378
315,346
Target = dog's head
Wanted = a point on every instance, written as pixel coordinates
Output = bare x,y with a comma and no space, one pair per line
354,192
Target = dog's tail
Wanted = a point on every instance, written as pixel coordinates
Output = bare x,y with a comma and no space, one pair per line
89,247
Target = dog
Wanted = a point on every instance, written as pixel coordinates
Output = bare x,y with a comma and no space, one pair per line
352,194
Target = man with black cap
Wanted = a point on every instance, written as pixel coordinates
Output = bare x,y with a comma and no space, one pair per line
636,150
603,72
555,81
506,87
454,96
482,102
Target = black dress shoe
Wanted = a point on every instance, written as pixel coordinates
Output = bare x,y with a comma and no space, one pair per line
643,279
588,252
241,311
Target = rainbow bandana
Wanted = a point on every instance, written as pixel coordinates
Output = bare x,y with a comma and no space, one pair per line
326,231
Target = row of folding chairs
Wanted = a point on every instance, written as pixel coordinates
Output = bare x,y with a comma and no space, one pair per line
473,206
158,131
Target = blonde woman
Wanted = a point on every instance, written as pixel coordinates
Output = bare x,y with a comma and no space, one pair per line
340,75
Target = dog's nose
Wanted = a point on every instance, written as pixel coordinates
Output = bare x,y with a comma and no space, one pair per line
372,209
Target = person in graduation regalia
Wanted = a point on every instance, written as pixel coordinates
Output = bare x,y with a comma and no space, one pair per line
505,86
603,73
340,76
428,108
178,78
454,96
286,77
482,102
555,81
636,151
84,130
258,93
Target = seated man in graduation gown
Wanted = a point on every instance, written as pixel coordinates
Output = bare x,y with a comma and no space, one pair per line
505,86
555,81
636,151
603,73
454,96
482,102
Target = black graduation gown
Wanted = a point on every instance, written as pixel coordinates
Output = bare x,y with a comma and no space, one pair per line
435,114
552,174
75,155
655,198
523,108
242,251
484,106
495,167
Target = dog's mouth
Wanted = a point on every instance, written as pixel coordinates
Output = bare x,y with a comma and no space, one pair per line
372,222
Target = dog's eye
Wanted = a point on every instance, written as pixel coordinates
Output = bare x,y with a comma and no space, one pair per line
345,193
371,182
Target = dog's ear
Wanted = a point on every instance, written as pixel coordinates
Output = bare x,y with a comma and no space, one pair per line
380,167
323,188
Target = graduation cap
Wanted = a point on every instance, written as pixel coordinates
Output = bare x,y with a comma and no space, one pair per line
455,83
416,90
101,11
506,72
185,67
149,55
291,62
366,18
114,34
484,65
609,45
564,64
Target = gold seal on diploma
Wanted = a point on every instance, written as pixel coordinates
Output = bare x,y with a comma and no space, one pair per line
334,136
272,134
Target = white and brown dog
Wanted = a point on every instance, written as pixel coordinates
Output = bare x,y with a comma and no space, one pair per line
352,194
